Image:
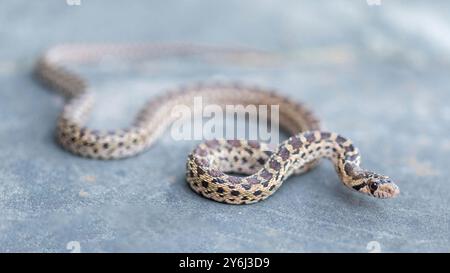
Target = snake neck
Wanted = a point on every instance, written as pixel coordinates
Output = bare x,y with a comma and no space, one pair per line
310,146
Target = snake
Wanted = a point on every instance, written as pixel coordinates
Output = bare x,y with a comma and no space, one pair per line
232,171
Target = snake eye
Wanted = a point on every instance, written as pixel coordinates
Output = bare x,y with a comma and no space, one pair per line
373,186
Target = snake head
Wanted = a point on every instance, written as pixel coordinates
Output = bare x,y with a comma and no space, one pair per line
379,186
376,185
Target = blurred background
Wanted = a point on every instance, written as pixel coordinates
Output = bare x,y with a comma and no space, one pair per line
374,71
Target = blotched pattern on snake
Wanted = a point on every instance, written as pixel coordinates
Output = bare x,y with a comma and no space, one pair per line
212,165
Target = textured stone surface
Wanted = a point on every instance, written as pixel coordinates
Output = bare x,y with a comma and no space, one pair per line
376,74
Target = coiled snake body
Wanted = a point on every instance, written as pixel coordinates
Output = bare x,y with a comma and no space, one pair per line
210,164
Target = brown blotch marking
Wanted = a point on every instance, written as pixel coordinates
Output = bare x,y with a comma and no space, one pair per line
357,176
246,186
201,162
253,180
261,161
272,187
284,153
220,190
353,157
215,173
235,193
358,187
254,144
309,137
205,184
200,152
219,180
249,151
200,171
266,175
349,148
234,143
340,139
213,143
256,193
325,135
234,179
275,165
348,168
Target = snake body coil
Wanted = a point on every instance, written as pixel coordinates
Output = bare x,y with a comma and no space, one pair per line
209,165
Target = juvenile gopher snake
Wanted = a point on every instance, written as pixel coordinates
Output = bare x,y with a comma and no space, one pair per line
265,167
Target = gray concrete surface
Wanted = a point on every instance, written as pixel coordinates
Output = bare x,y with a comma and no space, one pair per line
377,74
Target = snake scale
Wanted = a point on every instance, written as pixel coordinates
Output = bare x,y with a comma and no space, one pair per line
213,165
